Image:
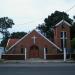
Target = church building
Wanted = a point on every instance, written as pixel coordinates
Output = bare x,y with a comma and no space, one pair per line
36,45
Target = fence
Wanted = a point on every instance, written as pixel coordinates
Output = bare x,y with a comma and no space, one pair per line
22,56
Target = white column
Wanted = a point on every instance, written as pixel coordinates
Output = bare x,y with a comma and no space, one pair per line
25,53
44,53
64,47
64,54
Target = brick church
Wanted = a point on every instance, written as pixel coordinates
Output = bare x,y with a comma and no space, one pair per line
36,45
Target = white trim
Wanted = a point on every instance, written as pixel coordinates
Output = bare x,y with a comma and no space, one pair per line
44,53
7,42
64,38
39,34
64,22
19,40
64,34
64,54
25,53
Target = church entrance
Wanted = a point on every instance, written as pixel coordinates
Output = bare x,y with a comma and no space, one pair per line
34,52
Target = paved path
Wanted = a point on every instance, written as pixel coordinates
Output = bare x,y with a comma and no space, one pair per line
38,61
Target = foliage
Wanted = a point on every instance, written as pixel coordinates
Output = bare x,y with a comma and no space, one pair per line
74,17
73,28
1,61
17,35
73,43
52,20
6,23
73,31
5,39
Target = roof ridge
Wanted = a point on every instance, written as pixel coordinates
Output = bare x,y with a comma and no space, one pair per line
64,22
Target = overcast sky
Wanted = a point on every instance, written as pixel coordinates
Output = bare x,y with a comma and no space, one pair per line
27,14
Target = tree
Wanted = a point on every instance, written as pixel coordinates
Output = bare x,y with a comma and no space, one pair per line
73,28
52,20
17,35
73,44
4,41
5,23
73,17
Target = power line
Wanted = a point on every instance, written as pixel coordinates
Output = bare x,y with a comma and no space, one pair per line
42,18
70,8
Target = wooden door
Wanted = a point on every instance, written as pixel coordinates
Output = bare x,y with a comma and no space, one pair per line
34,52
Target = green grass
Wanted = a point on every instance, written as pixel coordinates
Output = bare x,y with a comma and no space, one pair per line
1,61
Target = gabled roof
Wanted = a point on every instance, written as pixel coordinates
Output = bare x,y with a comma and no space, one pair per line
40,35
11,42
63,21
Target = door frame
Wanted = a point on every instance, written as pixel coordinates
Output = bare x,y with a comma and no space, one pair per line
33,48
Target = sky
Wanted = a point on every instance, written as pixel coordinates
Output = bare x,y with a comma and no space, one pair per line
28,14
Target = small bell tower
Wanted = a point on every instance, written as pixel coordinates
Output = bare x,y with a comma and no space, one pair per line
62,35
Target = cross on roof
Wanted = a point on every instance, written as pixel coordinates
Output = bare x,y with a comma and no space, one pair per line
34,38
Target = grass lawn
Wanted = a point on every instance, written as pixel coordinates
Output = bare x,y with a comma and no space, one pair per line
1,61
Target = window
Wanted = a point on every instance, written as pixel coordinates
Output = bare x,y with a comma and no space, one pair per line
46,50
62,43
63,34
22,50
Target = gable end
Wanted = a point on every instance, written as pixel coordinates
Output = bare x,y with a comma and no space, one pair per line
62,21
39,34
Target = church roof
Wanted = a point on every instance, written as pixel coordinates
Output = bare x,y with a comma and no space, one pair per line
40,35
63,21
11,42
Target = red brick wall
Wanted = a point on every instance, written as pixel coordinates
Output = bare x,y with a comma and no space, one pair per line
57,35
27,42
